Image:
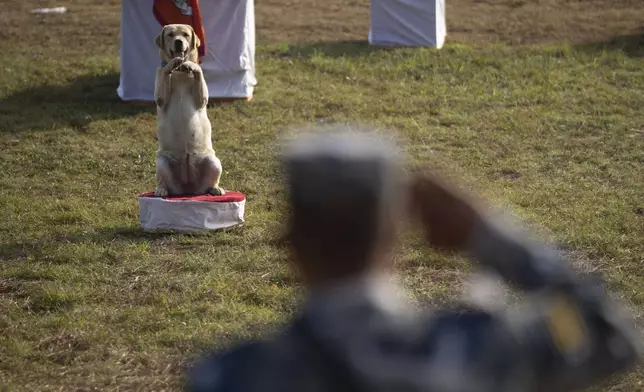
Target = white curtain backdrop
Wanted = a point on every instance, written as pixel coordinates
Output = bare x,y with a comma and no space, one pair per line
229,64
408,23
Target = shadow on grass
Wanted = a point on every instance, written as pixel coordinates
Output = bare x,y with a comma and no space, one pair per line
330,49
37,247
137,234
632,45
77,104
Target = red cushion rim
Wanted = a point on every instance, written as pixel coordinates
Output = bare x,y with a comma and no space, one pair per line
229,197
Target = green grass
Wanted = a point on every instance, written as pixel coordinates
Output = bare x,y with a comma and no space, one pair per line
88,300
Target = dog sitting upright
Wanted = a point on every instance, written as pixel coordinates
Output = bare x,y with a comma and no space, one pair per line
185,163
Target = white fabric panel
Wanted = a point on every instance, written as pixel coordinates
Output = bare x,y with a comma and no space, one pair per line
229,64
139,55
408,23
189,215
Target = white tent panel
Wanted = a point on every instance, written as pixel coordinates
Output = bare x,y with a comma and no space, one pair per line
229,64
408,23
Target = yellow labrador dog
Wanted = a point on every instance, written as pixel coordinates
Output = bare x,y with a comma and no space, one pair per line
186,162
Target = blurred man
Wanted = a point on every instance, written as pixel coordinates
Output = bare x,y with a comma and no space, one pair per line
347,197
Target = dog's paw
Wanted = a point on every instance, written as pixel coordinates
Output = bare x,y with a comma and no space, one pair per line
189,66
161,192
216,191
173,64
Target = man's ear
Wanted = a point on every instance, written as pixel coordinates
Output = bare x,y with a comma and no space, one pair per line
160,41
196,42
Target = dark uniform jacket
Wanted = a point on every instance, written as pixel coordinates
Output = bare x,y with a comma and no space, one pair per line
357,337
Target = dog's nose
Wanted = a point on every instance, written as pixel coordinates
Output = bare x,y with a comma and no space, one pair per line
178,46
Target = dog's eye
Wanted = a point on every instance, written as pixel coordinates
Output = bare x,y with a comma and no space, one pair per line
186,35
170,34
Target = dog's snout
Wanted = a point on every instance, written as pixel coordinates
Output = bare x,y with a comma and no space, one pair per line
178,45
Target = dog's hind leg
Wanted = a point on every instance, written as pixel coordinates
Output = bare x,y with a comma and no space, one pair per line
210,169
166,185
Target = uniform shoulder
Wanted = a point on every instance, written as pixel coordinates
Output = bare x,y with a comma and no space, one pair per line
224,371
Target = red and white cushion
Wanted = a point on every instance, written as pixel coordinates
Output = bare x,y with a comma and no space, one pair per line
191,213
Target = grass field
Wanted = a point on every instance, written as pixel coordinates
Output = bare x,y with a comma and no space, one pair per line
89,302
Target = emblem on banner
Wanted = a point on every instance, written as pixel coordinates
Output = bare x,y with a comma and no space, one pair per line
183,6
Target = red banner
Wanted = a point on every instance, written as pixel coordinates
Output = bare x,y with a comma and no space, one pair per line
181,12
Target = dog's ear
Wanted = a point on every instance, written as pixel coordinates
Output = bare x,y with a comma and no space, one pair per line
196,42
160,39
